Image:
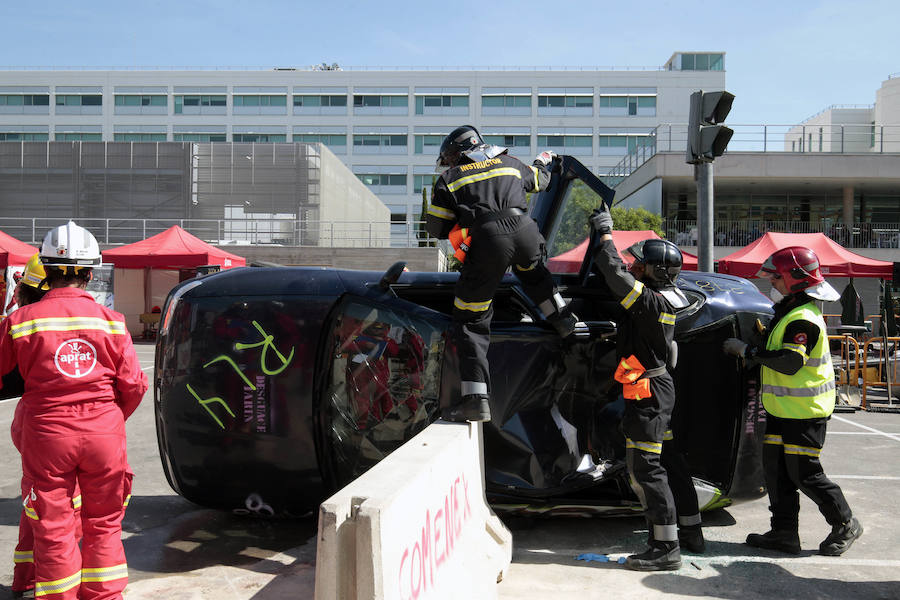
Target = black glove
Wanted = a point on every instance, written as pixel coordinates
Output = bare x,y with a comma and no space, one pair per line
601,221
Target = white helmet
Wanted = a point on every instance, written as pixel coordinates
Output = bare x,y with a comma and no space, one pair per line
70,246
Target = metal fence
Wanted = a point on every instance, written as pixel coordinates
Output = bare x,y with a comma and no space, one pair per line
741,233
236,232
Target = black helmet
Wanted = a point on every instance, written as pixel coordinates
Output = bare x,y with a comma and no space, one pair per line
662,260
460,140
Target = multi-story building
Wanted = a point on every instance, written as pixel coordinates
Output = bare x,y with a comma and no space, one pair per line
386,125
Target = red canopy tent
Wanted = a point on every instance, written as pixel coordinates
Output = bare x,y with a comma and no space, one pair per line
570,261
834,259
166,258
14,252
174,248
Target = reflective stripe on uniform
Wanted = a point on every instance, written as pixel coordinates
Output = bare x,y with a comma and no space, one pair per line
668,436
127,500
537,182
803,392
501,172
30,513
43,588
665,533
666,318
798,348
528,268
471,306
97,574
472,387
817,362
654,447
775,440
23,556
628,300
76,502
802,450
67,324
689,520
440,212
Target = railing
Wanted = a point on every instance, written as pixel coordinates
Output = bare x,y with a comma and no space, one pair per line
237,232
804,138
741,233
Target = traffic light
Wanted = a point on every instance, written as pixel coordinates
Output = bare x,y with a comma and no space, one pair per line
706,138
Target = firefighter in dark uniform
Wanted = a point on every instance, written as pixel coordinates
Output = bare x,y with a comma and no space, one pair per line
645,350
798,393
483,189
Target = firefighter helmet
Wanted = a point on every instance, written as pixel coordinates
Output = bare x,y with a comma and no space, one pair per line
799,267
460,140
35,274
661,259
70,246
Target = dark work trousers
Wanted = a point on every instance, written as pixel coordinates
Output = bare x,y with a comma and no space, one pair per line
644,425
791,461
495,246
674,461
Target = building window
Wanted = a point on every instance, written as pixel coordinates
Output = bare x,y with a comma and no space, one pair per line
145,100
506,101
360,101
198,102
257,100
641,106
79,100
509,141
564,141
259,137
139,137
428,144
329,139
199,137
565,101
316,100
25,100
382,179
439,102
616,144
702,62
421,182
79,137
379,140
11,136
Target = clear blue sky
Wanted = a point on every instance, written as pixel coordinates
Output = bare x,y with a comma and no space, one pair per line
785,60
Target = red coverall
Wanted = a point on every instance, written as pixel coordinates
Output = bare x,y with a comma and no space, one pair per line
82,380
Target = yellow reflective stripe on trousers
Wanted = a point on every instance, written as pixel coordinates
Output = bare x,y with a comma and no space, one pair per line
773,439
628,300
76,502
666,318
97,574
654,447
501,172
802,450
23,556
471,306
440,212
127,500
31,514
66,324
43,588
668,436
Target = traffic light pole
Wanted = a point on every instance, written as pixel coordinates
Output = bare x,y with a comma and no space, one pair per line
703,173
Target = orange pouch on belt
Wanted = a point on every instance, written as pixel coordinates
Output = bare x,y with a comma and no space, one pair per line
460,240
628,373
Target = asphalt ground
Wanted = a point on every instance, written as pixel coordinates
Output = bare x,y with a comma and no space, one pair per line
177,550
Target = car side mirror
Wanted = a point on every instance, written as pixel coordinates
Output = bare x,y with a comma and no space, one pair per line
391,276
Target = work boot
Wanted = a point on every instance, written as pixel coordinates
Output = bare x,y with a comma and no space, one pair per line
782,540
563,323
841,538
660,556
690,537
23,594
473,407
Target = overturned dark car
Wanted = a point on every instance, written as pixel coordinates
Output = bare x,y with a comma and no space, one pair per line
276,386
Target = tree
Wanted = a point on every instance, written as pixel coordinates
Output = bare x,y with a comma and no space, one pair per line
636,219
421,233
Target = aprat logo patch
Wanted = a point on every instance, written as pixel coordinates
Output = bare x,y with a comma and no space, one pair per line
75,358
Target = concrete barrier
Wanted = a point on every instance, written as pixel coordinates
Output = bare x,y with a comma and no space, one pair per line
415,526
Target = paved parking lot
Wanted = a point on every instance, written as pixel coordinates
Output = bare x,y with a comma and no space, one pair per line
177,550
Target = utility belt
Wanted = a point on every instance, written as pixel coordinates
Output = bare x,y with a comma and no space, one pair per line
461,237
635,379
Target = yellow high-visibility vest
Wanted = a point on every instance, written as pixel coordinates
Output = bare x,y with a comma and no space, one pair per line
808,393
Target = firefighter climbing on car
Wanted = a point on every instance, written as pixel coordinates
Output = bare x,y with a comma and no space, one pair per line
482,192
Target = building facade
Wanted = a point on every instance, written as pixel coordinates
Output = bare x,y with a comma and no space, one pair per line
385,125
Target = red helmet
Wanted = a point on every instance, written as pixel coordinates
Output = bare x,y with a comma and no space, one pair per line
798,266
